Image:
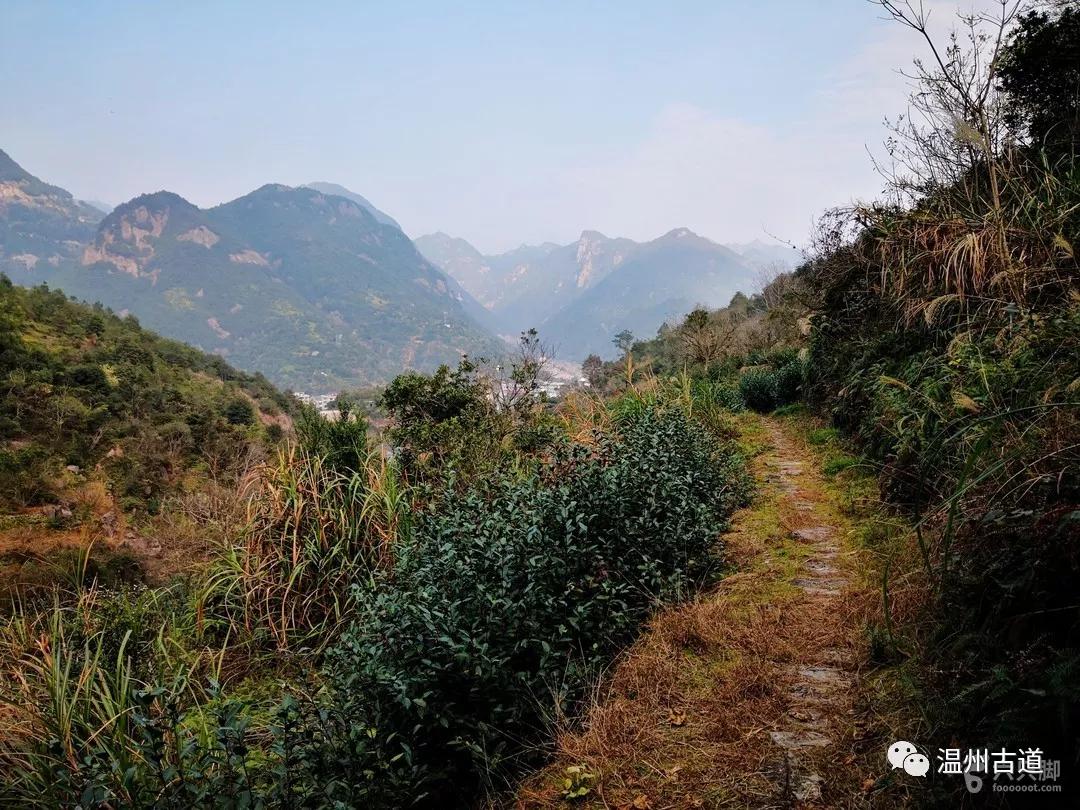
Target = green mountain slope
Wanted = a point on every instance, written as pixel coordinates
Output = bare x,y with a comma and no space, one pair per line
88,396
306,287
41,226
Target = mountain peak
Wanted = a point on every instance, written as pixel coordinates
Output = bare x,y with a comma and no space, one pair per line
155,200
592,236
681,233
126,238
268,189
31,186
159,206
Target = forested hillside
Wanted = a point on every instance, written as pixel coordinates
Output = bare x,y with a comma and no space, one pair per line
105,425
947,345
315,291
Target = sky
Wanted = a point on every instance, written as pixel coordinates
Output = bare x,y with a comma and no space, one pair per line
500,122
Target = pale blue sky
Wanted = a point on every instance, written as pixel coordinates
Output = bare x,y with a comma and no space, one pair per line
502,122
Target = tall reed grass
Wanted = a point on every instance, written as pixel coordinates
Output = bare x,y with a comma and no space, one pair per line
312,533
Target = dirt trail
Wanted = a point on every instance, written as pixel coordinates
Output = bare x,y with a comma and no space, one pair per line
745,697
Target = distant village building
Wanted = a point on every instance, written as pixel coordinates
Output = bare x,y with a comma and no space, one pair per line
320,402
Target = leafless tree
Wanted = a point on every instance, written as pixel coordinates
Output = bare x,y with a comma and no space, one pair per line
953,129
773,282
516,387
701,340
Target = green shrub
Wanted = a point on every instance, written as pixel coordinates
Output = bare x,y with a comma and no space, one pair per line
758,389
444,422
513,597
342,444
786,356
721,392
239,411
26,476
837,464
822,436
788,380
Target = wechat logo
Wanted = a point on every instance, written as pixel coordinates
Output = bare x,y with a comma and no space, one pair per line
905,755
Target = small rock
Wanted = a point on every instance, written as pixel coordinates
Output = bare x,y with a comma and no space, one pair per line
832,585
812,534
73,469
809,789
829,675
835,655
798,739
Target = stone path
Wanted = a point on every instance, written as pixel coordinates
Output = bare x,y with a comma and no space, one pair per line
818,685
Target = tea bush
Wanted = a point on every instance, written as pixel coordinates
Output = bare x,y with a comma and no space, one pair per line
496,620
723,393
787,383
758,389
494,615
767,388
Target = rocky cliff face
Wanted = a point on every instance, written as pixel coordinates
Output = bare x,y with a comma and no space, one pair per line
41,226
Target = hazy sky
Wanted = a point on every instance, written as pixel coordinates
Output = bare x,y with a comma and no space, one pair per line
501,122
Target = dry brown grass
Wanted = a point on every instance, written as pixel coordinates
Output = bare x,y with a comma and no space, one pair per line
32,546
958,256
688,699
583,416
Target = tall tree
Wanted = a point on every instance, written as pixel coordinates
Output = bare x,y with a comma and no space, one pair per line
1040,74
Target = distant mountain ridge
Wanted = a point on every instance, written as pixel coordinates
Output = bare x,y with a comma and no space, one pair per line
580,295
309,288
